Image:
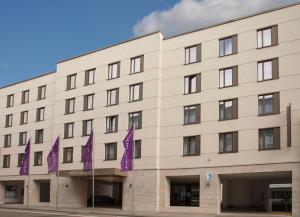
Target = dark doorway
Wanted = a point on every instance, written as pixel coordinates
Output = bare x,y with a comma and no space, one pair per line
14,192
281,198
44,191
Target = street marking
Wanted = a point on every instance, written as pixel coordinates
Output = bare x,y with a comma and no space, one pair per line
48,213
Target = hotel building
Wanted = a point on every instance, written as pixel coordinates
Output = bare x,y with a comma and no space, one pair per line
216,114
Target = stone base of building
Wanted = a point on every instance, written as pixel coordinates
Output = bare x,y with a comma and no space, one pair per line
165,192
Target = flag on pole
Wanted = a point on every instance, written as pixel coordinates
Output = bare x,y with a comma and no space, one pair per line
126,163
52,158
24,170
88,154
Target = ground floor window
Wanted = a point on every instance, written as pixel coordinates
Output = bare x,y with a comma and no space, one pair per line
184,194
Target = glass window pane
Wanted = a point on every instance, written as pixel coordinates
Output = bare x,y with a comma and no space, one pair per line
228,46
260,71
193,54
267,70
136,90
193,84
268,104
137,65
228,77
267,37
259,39
186,85
221,77
187,56
221,47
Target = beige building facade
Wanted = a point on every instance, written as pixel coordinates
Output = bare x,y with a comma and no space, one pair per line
216,115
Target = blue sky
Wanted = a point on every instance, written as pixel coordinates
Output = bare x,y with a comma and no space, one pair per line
36,34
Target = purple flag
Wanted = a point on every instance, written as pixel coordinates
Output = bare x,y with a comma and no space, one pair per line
24,170
88,154
52,158
126,163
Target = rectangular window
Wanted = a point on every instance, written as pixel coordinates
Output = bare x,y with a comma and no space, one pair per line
114,70
228,109
268,104
268,69
70,106
137,149
38,158
191,145
112,124
22,138
71,82
6,161
111,151
20,159
40,114
267,37
69,130
87,127
135,120
42,92
228,142
10,101
228,46
39,136
192,84
7,140
68,155
269,138
137,64
24,117
192,114
185,194
135,92
88,102
193,54
25,97
113,97
228,77
8,120
89,77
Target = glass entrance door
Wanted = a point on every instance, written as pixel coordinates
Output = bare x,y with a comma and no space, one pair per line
281,199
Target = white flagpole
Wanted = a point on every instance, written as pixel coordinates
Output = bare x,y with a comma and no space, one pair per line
93,171
133,172
57,174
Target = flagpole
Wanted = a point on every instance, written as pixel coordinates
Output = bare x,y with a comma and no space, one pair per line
57,175
28,173
93,171
133,172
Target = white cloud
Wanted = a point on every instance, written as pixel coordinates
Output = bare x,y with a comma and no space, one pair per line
188,15
4,65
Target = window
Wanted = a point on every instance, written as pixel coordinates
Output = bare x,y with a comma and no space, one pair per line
6,161
89,77
7,140
69,130
185,194
42,92
228,109
192,114
268,69
20,159
269,138
68,155
192,84
8,120
228,46
38,158
267,37
25,97
39,136
137,64
111,151
137,149
10,100
40,114
191,145
268,104
135,120
87,127
135,92
88,102
193,54
228,142
71,82
228,77
112,124
24,117
113,97
70,106
114,70
22,138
